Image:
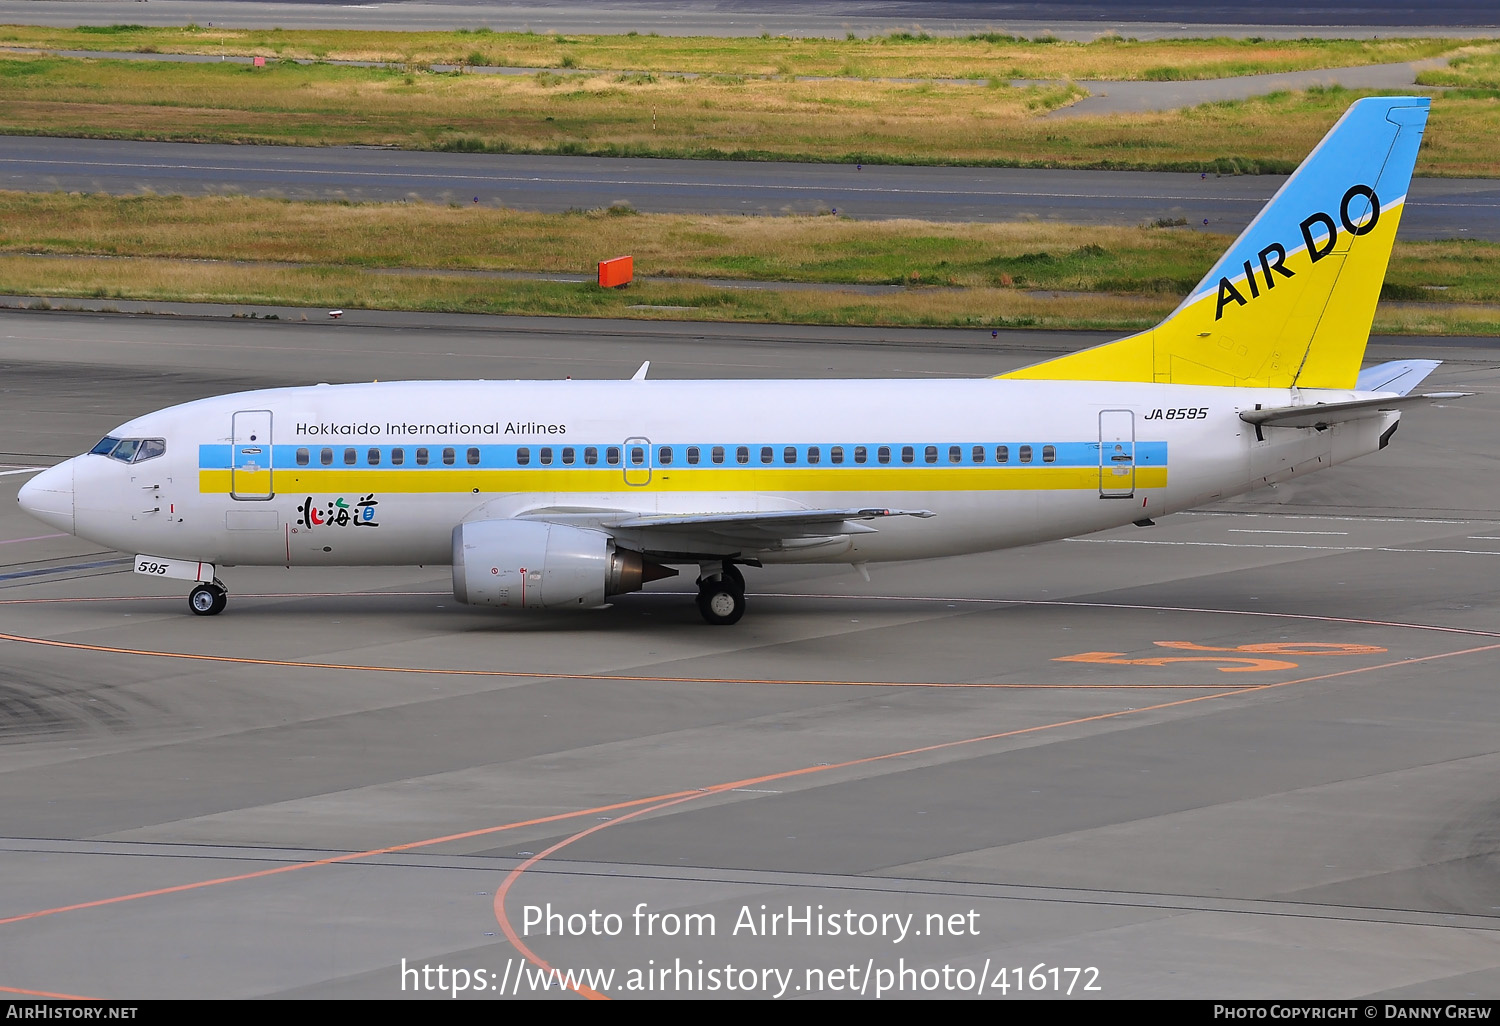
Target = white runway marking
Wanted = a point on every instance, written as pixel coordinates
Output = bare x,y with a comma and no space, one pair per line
1278,545
1254,530
1316,516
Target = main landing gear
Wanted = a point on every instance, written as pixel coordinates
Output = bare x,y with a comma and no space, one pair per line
208,599
721,593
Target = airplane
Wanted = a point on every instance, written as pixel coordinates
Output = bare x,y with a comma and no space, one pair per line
561,494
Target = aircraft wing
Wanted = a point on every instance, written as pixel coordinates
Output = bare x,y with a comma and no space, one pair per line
726,532
1320,415
787,523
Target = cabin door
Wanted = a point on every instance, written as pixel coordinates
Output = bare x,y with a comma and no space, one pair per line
250,456
1116,454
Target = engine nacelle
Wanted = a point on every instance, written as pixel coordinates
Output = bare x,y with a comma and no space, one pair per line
528,564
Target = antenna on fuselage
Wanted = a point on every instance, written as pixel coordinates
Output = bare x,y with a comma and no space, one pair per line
640,375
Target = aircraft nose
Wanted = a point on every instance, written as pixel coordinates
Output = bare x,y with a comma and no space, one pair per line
49,496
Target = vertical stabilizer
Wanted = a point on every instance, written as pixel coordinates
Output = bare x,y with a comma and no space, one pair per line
1292,301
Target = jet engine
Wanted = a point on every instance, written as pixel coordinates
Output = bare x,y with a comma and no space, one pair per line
534,565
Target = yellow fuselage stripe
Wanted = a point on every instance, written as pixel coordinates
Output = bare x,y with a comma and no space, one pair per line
681,479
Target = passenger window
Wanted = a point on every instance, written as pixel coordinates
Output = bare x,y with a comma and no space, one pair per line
908,454
977,454
718,454
955,454
421,457
612,455
546,455
666,455
523,457
836,454
789,454
448,456
373,457
303,456
591,455
742,455
472,455
326,457
351,457
637,456
398,457
1002,454
1025,454
692,455
767,454
1049,454
813,454
567,456
883,454
860,454
930,454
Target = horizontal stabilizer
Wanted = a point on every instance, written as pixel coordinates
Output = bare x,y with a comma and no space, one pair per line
1320,415
1399,376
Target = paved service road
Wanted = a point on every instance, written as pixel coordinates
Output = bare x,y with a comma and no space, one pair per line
1439,208
1249,752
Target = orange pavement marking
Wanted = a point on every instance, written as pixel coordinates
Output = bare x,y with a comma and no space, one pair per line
45,994
664,800
247,660
515,873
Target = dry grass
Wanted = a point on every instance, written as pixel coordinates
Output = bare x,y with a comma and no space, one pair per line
322,105
614,115
817,249
898,55
303,254
323,287
1142,261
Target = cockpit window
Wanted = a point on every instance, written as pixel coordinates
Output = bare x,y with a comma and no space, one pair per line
130,450
125,451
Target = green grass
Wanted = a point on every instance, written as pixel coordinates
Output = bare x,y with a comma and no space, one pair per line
273,252
899,54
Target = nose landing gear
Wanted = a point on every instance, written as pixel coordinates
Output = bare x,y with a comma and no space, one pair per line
208,599
721,593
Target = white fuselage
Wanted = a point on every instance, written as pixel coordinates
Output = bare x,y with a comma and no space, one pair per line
381,473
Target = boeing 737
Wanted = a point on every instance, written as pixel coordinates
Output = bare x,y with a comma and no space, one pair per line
560,494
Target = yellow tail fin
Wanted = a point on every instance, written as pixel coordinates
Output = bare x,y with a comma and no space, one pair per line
1292,300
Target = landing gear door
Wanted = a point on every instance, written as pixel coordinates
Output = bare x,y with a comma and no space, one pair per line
250,456
1116,454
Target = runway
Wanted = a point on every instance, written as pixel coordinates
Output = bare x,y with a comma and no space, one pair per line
1085,20
1437,208
1249,752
